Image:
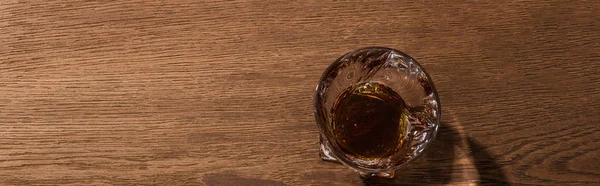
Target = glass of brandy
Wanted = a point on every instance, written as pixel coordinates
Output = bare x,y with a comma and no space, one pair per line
376,109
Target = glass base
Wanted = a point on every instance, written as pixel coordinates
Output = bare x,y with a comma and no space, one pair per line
326,154
383,174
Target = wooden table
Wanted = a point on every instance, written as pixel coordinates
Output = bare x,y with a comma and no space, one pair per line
220,93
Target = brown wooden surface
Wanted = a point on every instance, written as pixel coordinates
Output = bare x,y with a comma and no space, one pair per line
220,93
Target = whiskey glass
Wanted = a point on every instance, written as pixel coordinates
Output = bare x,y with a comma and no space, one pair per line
376,109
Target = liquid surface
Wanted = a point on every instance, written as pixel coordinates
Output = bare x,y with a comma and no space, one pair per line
369,121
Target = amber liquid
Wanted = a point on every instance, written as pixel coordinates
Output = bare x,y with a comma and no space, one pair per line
369,121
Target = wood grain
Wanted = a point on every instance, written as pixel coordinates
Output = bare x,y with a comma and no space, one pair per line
220,93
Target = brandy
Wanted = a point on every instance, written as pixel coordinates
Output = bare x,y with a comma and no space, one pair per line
376,109
369,121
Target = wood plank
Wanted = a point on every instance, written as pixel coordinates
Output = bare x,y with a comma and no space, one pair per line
220,93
